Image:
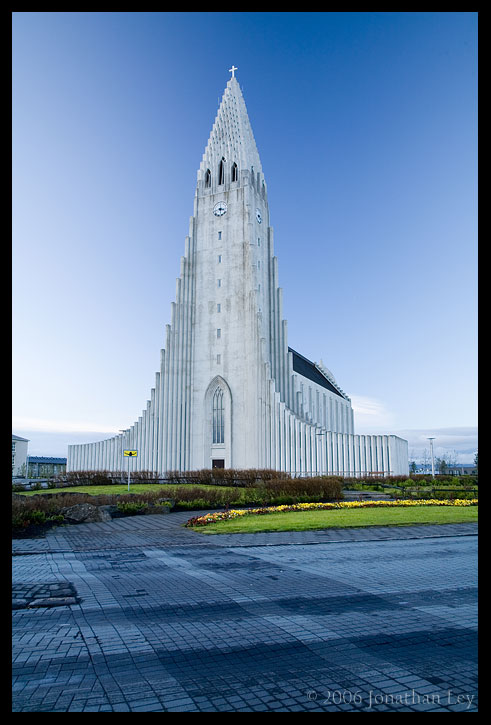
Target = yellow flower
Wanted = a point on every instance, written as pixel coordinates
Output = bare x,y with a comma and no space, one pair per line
234,513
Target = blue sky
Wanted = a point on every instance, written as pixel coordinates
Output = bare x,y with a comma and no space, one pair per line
366,125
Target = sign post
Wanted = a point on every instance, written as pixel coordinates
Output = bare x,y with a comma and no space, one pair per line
128,455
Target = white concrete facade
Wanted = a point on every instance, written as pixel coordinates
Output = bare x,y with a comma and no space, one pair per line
229,391
19,455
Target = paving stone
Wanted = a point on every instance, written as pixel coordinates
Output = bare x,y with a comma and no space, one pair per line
52,602
19,603
168,620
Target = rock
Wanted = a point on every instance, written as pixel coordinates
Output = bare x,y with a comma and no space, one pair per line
169,500
156,510
109,511
84,513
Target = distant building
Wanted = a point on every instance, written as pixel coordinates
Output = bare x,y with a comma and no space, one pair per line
19,455
44,466
457,470
461,470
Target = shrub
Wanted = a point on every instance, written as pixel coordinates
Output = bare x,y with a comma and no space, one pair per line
192,504
23,519
184,496
51,504
35,517
144,476
304,489
406,483
167,504
131,508
88,478
240,478
263,492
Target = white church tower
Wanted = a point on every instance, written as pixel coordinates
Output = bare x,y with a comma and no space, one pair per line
230,392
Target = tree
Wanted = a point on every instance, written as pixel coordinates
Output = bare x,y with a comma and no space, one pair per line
452,458
441,465
424,458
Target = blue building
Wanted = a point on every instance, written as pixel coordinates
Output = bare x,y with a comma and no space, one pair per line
45,466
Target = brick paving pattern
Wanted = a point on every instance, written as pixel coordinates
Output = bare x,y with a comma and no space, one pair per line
170,620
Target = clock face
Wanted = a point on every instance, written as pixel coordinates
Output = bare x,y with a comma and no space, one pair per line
220,208
258,216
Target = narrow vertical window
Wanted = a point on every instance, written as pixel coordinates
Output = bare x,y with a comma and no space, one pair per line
219,334
219,281
221,172
218,422
234,172
219,359
219,235
219,259
219,307
208,178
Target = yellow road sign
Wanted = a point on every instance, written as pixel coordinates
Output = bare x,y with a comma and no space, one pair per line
130,453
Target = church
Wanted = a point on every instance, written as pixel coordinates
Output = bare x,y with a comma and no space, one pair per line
230,392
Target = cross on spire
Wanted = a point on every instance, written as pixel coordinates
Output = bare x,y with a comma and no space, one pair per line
232,71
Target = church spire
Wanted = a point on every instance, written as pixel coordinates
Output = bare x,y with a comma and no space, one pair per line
231,146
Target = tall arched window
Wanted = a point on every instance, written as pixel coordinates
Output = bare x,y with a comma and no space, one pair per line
208,178
218,417
221,172
235,172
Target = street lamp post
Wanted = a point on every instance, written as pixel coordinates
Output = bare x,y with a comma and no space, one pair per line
122,431
432,459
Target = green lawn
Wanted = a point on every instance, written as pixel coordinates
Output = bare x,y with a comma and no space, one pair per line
341,518
168,488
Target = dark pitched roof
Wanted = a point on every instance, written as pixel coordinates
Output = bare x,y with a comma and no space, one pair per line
308,369
45,459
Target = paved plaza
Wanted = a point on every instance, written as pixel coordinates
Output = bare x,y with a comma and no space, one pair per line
142,615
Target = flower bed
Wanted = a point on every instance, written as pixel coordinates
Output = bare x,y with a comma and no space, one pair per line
235,513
